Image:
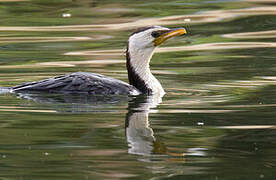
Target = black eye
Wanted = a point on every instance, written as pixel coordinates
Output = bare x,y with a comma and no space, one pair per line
155,34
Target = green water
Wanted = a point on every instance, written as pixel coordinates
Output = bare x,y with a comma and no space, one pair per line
217,120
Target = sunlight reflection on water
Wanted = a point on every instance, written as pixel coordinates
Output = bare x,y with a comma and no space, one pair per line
204,17
49,39
216,120
199,47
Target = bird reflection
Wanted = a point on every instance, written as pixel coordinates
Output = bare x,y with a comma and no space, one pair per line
76,103
139,134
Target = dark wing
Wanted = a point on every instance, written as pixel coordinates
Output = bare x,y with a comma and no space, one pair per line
79,82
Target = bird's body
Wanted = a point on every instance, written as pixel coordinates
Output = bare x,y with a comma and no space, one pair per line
80,82
141,46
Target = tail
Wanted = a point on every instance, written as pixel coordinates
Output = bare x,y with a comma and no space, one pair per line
4,90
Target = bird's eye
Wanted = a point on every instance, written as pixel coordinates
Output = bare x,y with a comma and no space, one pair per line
155,34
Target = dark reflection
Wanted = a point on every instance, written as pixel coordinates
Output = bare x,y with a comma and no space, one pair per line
75,103
139,135
198,151
81,99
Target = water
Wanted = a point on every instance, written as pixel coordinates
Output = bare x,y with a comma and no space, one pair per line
217,120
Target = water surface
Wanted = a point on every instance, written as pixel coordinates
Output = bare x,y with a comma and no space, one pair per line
217,120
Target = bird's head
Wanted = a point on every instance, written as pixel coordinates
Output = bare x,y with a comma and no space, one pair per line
150,37
141,45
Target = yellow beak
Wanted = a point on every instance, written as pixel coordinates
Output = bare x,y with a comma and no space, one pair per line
174,32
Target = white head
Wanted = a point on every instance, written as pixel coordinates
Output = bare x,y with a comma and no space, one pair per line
143,38
141,45
150,37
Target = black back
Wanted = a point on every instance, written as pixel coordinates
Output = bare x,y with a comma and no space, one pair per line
79,82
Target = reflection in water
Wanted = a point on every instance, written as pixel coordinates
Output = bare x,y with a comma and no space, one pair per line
216,122
50,39
75,103
4,90
198,47
97,63
138,131
204,17
140,135
252,35
12,0
261,1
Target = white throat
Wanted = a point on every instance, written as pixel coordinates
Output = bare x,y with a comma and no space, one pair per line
139,61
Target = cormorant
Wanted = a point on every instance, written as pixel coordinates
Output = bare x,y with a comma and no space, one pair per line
140,48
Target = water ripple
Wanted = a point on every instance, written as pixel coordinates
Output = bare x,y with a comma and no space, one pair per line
204,17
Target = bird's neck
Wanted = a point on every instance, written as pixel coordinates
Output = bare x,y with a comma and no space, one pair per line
139,73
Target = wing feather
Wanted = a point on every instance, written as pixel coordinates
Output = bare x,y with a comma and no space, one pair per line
80,82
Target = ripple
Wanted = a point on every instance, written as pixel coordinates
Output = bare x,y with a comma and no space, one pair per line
50,39
197,47
26,110
261,1
65,64
204,17
248,127
196,111
244,84
252,35
13,0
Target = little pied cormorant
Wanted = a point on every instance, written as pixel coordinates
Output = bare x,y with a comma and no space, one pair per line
140,48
